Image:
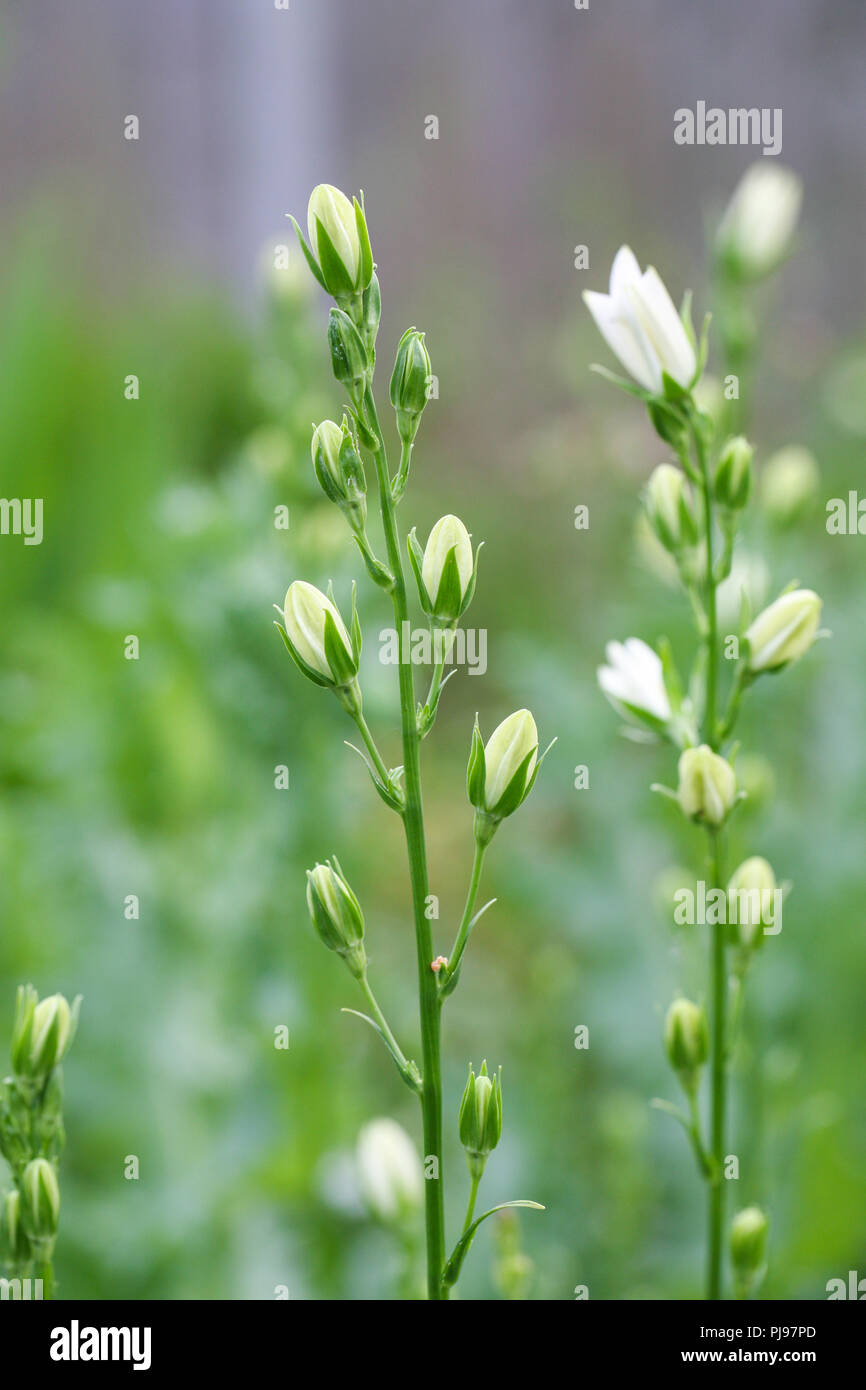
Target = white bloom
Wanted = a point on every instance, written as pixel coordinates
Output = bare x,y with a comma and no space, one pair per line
784,631
757,227
634,680
389,1169
639,323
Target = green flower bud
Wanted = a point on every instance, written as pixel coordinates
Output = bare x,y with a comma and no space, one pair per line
788,484
480,1117
40,1200
445,572
349,360
501,775
14,1241
749,1230
42,1033
340,471
707,785
751,902
336,915
670,508
687,1039
317,639
733,480
371,312
784,631
410,383
340,259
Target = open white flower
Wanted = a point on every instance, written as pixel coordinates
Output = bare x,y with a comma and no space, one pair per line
639,323
633,680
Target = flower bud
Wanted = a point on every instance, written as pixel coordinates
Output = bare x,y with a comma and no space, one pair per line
389,1170
752,902
634,682
480,1118
317,639
445,572
707,787
670,508
687,1039
756,230
349,360
788,484
733,481
336,915
40,1200
42,1033
340,471
501,775
410,382
749,1230
784,631
14,1242
341,259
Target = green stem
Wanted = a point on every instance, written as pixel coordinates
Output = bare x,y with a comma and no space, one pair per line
413,823
463,931
382,1021
710,732
370,745
474,1184
719,997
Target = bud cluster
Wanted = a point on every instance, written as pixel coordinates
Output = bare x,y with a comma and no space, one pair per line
31,1127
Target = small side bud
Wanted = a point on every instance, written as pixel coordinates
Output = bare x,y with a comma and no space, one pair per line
13,1240
707,785
319,642
340,471
445,572
40,1200
749,1230
480,1119
751,902
349,360
336,915
733,480
410,381
501,774
42,1033
784,631
670,508
687,1040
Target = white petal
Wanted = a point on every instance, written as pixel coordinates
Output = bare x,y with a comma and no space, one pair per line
622,339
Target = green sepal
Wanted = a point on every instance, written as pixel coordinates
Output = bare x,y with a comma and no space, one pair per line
299,660
365,263
308,255
342,664
334,273
624,385
476,772
448,604
371,312
390,794
349,360
451,1272
426,713
378,572
416,560
673,391
517,790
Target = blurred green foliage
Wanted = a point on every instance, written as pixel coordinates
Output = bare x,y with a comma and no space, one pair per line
155,777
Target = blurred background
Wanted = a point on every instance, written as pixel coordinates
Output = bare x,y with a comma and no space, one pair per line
155,777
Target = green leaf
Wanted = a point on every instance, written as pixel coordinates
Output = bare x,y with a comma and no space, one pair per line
409,1071
451,1273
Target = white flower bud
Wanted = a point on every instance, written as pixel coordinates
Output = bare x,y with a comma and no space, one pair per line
337,215
389,1170
331,660
633,681
752,901
784,631
670,507
687,1038
447,585
756,229
509,746
639,323
749,1230
325,449
708,786
40,1199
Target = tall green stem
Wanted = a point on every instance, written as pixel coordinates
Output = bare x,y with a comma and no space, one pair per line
712,636
413,823
719,1072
